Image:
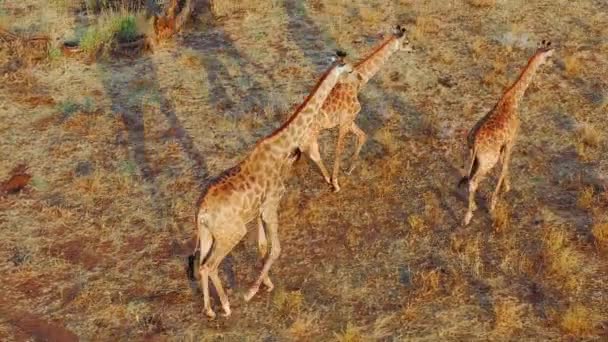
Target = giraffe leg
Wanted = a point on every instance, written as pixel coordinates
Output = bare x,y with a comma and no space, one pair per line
262,241
501,178
263,250
220,249
312,150
361,139
206,244
480,169
270,217
339,148
507,182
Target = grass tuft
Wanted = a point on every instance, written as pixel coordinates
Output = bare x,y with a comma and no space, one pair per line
482,3
509,312
288,303
501,218
110,26
579,320
351,333
600,233
586,198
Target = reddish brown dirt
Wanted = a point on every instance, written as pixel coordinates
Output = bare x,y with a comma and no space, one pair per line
36,327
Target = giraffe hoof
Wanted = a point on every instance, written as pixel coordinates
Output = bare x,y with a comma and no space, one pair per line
227,311
336,186
269,285
467,219
210,313
250,294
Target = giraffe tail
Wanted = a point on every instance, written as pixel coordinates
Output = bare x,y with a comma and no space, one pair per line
204,242
472,168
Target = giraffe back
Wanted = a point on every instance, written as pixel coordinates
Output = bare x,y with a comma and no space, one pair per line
497,127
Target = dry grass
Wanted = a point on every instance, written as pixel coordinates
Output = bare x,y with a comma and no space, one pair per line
118,147
586,198
501,218
482,3
510,315
600,232
588,141
579,320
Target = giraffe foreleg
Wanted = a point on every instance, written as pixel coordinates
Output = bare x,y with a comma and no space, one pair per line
263,250
506,169
339,148
361,139
262,241
312,150
501,178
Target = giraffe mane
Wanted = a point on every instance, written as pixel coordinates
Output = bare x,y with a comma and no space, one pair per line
301,106
385,43
530,61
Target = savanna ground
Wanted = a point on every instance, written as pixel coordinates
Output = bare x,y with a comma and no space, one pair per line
119,149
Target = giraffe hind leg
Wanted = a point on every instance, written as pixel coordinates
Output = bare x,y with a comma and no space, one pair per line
477,175
465,180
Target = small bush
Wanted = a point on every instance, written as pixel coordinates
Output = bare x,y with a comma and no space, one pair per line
122,27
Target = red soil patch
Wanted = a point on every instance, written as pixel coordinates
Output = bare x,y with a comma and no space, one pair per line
77,252
36,327
32,287
43,100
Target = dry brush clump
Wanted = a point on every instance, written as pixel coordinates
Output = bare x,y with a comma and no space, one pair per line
588,142
509,314
580,320
599,231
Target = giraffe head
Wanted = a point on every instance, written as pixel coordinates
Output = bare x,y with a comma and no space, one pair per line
341,66
401,37
545,50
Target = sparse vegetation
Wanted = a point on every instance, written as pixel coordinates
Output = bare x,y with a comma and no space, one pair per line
579,320
119,149
501,217
110,27
482,3
586,197
600,232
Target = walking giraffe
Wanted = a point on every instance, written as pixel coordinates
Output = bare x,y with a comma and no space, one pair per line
492,138
253,189
342,105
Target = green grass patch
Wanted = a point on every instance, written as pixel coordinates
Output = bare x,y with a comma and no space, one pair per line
110,28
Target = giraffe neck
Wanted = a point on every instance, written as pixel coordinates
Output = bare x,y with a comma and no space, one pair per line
369,66
292,133
517,90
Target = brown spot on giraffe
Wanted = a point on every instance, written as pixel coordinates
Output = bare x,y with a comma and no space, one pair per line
342,105
492,138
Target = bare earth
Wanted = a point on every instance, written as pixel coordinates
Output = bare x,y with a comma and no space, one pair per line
94,248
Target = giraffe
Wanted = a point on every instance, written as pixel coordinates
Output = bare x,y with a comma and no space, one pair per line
342,105
253,189
492,138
